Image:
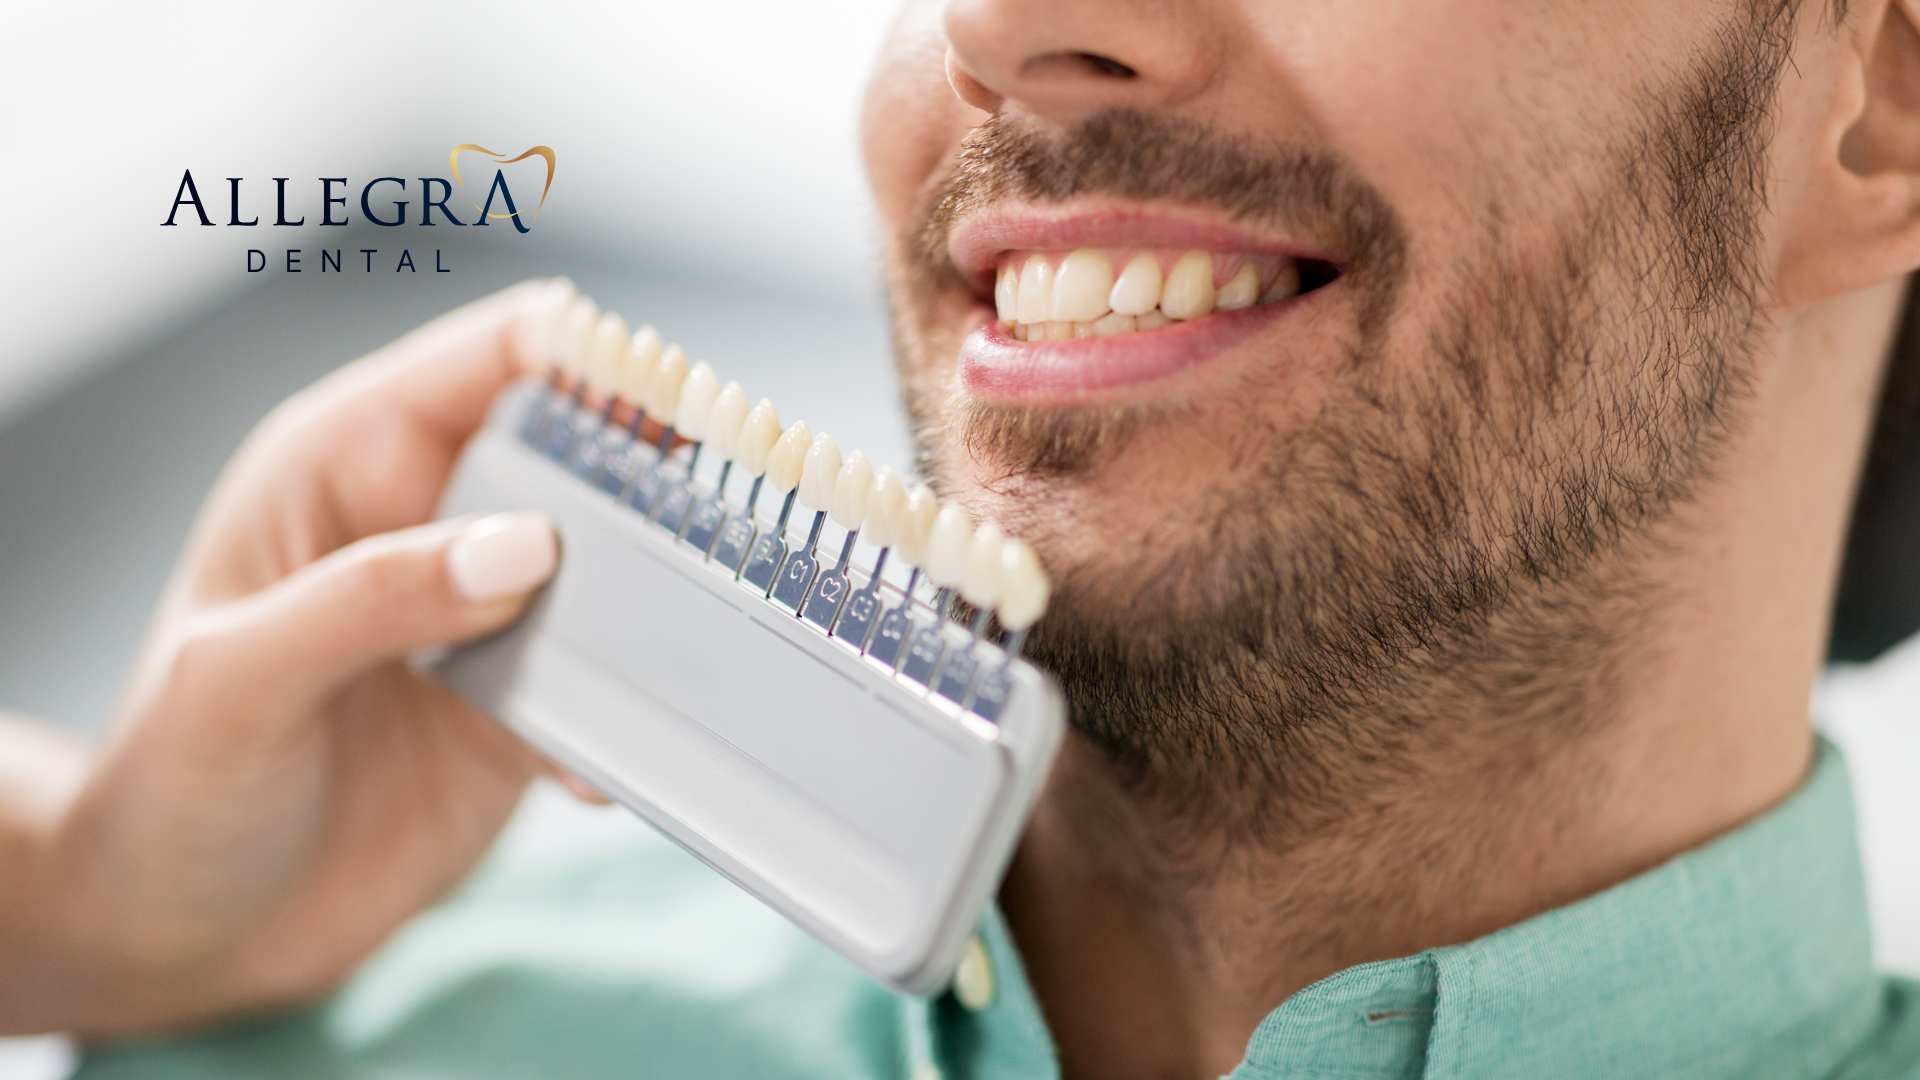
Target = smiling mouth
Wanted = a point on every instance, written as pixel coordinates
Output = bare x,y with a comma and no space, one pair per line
1106,292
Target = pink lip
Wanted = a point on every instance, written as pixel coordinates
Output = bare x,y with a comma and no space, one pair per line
996,366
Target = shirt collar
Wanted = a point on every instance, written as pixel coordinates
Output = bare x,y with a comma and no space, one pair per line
1750,951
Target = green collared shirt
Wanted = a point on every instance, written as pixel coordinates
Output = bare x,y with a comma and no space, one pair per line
603,951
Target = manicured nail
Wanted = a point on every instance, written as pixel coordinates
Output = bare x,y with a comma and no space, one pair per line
502,555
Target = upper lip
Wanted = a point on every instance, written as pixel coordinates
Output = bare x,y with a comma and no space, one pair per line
977,241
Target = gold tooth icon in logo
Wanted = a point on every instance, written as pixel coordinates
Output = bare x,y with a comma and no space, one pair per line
544,152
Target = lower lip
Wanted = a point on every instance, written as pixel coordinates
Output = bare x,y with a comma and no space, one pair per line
997,366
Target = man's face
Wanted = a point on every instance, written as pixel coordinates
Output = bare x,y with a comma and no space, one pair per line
1410,493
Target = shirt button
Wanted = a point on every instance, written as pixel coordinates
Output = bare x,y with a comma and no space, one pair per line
973,979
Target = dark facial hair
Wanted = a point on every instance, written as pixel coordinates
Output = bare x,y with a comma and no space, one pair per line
1450,550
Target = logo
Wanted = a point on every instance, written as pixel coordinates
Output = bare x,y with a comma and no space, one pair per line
384,201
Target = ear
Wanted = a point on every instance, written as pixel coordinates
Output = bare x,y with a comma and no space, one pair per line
1855,220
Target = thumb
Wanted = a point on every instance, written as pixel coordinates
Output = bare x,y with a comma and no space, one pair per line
383,597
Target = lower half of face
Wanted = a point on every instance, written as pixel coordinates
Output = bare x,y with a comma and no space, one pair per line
1310,470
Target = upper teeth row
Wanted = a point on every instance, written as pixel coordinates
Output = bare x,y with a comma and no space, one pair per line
1078,295
595,350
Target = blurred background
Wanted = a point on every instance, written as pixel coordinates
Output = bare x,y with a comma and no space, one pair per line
707,180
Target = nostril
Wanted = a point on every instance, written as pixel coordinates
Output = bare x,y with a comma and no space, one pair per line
1076,64
1109,66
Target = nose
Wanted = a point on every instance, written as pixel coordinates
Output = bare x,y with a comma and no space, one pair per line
1063,59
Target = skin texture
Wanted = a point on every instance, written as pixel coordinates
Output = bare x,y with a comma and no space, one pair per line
1504,561
277,790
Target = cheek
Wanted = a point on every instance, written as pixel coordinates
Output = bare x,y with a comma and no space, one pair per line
911,123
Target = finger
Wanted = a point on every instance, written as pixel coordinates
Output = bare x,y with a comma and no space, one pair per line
374,601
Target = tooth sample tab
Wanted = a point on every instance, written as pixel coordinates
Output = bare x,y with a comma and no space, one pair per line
916,524
851,491
818,471
948,546
788,457
1188,293
886,509
725,421
1080,287
695,407
605,352
1006,293
1035,290
576,334
540,331
636,367
663,392
1241,290
980,585
1023,586
1138,290
759,433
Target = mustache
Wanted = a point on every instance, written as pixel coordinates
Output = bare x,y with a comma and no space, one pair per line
1138,155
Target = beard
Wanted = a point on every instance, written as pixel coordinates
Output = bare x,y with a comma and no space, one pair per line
1452,551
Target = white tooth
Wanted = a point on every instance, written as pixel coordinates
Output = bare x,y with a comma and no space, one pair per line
947,547
697,395
1083,329
788,457
1035,290
916,525
1286,284
1059,331
636,368
1080,287
1138,290
1023,331
609,347
1006,292
724,422
1189,290
576,334
981,585
1240,290
1023,586
851,490
818,470
1112,323
1152,320
539,336
758,435
886,509
663,391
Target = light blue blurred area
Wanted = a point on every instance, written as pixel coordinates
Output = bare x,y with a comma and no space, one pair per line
100,484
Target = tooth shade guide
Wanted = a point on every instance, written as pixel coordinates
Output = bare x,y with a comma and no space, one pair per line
690,495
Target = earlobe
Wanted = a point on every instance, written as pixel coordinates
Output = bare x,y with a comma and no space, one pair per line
1858,222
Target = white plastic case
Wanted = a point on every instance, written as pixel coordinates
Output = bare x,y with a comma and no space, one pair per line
876,815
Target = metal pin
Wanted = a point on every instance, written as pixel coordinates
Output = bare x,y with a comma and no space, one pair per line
857,618
928,644
956,675
797,573
770,551
989,696
895,627
830,588
736,540
673,508
704,526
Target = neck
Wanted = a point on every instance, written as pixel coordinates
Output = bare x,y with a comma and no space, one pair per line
1156,946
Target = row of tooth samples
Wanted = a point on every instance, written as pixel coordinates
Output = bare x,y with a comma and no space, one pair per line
606,363
1079,295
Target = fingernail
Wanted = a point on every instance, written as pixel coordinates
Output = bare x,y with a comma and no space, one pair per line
502,555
